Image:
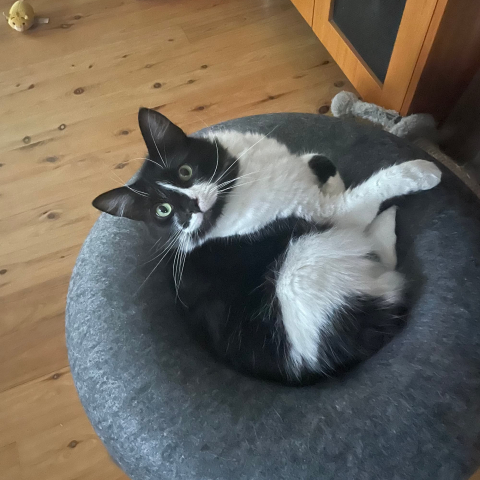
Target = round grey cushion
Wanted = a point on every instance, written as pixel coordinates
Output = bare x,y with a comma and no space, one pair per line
166,410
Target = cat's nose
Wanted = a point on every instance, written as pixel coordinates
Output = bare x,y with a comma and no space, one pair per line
192,206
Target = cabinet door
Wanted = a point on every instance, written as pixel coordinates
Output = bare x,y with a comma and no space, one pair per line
305,7
375,42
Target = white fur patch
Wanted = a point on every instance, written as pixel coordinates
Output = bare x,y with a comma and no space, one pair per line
320,272
205,193
334,185
196,221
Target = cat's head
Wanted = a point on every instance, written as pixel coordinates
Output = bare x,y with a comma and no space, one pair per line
178,190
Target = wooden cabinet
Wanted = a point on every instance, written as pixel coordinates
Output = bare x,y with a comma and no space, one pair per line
408,55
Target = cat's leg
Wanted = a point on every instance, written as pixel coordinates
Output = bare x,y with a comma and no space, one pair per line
381,233
323,275
359,206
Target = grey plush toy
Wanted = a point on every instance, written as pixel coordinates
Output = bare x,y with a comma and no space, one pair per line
411,127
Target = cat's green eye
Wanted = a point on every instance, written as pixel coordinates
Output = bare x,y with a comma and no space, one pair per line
163,210
185,172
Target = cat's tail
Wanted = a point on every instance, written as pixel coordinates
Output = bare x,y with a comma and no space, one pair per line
381,233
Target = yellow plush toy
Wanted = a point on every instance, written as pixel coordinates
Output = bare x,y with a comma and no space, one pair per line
21,16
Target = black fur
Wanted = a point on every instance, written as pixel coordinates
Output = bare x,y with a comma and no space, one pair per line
322,167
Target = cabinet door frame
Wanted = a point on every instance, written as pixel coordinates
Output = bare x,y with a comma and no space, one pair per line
406,51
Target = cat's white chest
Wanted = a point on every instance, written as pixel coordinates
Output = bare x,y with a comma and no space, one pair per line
272,184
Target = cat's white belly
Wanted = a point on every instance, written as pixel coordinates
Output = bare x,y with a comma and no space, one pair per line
248,212
273,184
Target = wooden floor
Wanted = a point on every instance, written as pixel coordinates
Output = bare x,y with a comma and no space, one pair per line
69,95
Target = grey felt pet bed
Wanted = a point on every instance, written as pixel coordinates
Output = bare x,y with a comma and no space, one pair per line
166,410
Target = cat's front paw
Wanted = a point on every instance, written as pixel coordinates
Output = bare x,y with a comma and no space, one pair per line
423,174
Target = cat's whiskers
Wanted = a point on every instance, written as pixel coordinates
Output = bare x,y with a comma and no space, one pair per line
179,263
153,161
183,256
247,150
123,184
176,263
235,179
231,187
224,188
164,252
145,159
167,246
216,165
257,142
185,253
159,262
156,243
138,192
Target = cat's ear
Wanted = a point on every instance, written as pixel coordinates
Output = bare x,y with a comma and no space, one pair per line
122,202
159,132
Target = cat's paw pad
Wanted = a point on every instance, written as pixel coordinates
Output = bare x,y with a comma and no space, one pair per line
423,173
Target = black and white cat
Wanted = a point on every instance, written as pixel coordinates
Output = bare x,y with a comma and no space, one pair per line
283,273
